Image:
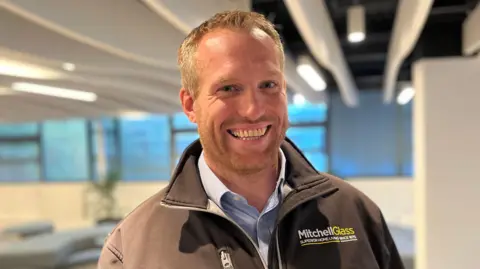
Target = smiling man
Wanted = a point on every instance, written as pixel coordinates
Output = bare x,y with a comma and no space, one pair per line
244,196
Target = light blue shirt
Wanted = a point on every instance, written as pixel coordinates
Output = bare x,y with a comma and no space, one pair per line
259,225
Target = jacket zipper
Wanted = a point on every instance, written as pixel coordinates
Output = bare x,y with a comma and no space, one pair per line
279,257
277,237
225,259
227,218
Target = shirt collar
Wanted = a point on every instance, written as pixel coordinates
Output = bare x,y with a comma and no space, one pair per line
214,187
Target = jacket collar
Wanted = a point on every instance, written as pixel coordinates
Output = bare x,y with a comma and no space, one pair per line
186,189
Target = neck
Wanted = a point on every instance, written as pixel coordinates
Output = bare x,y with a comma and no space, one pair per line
255,187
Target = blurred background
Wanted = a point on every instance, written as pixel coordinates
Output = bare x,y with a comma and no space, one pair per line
382,93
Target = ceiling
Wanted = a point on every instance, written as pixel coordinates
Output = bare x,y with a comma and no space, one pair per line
124,51
441,35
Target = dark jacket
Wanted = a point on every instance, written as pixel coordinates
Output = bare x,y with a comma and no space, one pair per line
323,223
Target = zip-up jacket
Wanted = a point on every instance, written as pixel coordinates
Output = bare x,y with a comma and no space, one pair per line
323,222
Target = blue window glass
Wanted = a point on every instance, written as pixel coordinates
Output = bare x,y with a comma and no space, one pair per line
319,160
65,150
109,143
107,124
182,141
308,138
406,139
15,130
311,141
180,121
111,153
145,147
307,113
104,129
19,161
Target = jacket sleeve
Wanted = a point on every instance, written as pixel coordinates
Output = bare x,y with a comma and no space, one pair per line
393,259
109,260
111,256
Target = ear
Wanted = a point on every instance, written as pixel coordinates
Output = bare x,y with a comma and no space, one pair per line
187,104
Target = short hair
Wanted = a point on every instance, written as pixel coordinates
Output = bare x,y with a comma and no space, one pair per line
242,20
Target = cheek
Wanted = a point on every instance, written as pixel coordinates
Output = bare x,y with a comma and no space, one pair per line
215,116
280,106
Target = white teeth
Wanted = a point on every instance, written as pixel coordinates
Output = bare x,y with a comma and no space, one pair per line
250,134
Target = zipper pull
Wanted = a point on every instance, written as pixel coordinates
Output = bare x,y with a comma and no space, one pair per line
226,259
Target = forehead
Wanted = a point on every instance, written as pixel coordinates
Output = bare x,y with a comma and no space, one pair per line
236,47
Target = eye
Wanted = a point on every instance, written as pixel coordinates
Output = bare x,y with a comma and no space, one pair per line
227,88
268,85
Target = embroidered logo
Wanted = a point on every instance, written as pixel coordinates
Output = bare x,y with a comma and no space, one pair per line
332,234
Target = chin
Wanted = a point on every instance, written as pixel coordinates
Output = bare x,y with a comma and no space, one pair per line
253,161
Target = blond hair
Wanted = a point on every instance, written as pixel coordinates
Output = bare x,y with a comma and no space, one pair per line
242,20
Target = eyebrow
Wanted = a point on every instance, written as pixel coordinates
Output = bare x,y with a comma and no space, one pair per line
227,80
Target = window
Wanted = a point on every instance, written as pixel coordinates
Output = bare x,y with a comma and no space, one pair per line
182,141
181,122
184,133
311,141
19,161
307,113
105,129
145,147
19,130
19,152
308,132
65,150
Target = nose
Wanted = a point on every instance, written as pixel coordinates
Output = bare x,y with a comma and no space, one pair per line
251,105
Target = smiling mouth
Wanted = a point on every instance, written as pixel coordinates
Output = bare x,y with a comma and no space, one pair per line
250,134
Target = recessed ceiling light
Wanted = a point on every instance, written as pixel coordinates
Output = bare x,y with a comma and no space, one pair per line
299,99
54,91
307,70
25,70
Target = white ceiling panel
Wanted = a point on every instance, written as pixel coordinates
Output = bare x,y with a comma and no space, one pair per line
186,19
124,27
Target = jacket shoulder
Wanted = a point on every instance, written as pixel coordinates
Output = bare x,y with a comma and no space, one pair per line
351,194
132,227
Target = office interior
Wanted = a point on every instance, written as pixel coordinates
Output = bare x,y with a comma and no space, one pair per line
382,93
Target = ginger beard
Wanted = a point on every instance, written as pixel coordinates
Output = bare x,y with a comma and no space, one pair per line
216,146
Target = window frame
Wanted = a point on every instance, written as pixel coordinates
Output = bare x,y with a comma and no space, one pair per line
38,161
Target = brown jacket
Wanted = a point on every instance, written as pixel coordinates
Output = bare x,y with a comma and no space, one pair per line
323,223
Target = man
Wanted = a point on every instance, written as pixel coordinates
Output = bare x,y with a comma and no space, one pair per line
244,196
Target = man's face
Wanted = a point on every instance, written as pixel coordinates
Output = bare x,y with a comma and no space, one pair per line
241,105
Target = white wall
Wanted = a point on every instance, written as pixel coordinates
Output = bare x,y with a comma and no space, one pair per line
447,147
393,195
64,203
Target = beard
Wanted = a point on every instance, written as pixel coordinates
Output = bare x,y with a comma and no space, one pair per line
219,154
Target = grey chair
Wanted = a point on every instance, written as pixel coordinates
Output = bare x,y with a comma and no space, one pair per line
405,240
28,229
63,249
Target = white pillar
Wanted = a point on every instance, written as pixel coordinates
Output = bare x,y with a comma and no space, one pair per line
446,118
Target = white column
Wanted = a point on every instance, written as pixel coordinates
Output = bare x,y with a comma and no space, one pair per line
446,118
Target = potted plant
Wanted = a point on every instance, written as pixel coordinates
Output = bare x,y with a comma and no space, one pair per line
105,203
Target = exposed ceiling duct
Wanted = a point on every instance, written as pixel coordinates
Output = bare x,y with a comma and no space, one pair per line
313,21
471,32
410,19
